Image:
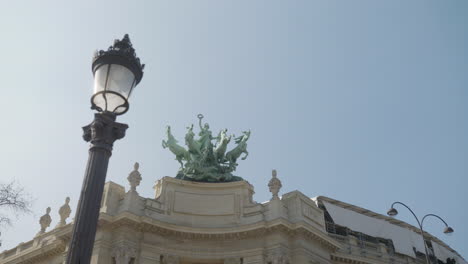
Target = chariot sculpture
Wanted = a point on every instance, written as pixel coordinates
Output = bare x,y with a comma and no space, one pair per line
204,160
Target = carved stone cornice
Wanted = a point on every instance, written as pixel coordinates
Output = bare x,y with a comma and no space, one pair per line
146,224
37,254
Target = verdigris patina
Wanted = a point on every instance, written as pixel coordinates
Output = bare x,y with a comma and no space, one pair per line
204,161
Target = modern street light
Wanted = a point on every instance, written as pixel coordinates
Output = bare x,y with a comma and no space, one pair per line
116,73
447,230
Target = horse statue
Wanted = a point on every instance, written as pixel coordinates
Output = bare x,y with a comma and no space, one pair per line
236,152
223,141
171,143
205,158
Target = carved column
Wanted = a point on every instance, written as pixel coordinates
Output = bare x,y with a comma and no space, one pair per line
101,133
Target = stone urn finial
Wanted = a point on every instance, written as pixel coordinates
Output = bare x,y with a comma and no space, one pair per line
64,212
274,185
45,221
134,178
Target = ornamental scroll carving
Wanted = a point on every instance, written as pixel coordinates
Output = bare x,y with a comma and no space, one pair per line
277,256
123,254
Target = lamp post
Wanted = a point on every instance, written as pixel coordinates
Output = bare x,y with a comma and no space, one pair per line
116,73
447,230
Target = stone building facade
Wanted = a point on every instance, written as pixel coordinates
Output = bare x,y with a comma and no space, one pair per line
216,223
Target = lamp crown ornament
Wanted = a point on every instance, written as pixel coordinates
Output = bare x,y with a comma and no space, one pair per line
117,71
121,48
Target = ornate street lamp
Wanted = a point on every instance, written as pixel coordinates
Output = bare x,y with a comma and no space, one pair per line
116,73
447,230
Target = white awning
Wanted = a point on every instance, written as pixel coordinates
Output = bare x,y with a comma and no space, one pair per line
404,240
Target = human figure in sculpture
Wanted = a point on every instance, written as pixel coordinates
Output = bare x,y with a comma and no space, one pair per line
205,136
203,160
193,146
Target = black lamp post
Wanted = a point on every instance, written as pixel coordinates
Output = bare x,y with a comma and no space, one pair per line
447,230
116,73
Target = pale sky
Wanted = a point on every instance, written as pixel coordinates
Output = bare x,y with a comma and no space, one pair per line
361,101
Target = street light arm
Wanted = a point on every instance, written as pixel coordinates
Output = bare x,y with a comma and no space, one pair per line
409,209
436,216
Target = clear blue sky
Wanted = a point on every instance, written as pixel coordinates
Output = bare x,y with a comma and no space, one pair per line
361,101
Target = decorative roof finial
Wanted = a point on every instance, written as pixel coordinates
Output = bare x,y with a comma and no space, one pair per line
45,221
134,178
274,185
64,212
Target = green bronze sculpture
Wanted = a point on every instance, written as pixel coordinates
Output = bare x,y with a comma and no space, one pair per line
204,161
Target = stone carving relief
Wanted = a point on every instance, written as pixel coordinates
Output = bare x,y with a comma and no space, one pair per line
45,221
277,256
123,254
274,185
64,212
134,178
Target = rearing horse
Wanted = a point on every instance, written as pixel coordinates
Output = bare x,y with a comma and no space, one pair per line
171,143
223,141
241,147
